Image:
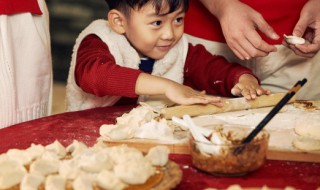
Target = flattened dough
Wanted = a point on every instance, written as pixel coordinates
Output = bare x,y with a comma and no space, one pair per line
307,144
308,126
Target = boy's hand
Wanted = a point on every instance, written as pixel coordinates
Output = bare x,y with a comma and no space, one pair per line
153,85
185,95
248,87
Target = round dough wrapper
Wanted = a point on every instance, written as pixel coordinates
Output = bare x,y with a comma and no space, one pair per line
308,126
306,144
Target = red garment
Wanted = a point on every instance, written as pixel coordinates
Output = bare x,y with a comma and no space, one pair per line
97,73
281,15
8,7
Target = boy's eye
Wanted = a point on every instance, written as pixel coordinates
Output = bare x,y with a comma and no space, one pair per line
157,23
179,20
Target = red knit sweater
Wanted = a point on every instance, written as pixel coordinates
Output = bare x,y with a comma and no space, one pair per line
8,7
282,15
97,73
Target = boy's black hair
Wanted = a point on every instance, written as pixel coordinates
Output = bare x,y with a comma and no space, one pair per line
125,6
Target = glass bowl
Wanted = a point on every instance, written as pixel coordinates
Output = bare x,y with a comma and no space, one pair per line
229,157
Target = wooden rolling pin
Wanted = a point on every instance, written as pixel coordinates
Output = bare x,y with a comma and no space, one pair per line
232,104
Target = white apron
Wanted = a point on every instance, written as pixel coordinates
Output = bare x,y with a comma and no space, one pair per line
278,71
25,67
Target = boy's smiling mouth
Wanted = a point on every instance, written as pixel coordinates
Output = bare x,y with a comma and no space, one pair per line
164,47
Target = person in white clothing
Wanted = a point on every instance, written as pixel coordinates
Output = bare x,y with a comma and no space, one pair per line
25,61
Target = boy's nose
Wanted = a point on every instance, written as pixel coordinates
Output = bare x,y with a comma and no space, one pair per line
168,33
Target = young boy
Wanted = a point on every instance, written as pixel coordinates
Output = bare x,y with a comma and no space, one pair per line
141,50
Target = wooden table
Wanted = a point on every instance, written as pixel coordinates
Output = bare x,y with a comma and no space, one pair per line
84,126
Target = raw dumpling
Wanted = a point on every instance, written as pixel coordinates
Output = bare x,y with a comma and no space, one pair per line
295,40
134,172
158,156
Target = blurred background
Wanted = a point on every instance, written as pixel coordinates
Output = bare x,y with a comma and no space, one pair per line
67,19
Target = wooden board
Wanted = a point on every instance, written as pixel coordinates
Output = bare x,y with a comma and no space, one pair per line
281,136
145,144
183,148
276,154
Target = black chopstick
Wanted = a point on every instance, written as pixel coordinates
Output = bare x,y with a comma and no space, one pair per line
272,113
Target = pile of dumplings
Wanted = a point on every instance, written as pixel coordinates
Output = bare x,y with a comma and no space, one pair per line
78,167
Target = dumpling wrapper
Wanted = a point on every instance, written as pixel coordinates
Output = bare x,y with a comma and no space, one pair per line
57,148
11,173
155,130
308,126
295,40
134,172
158,156
306,144
55,182
76,148
82,183
31,182
95,162
108,180
44,167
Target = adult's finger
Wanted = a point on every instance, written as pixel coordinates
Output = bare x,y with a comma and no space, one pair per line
238,51
242,47
265,28
300,27
302,54
308,48
262,47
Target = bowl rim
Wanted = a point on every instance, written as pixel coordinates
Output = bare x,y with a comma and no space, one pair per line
264,134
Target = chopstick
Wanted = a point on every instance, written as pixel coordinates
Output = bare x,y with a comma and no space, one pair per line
272,113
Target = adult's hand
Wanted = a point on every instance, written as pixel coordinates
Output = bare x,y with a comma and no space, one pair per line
239,24
308,27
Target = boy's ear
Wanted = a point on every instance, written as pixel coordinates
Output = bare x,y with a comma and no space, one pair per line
116,21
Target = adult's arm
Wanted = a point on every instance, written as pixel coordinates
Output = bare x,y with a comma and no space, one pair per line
9,7
240,25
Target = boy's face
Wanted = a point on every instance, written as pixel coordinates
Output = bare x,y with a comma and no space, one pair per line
154,35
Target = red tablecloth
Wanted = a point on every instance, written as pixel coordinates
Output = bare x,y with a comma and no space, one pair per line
84,126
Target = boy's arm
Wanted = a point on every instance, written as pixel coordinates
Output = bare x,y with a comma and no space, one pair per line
204,71
177,93
96,72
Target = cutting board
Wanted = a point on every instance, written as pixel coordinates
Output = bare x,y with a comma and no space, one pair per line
239,111
183,148
280,129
